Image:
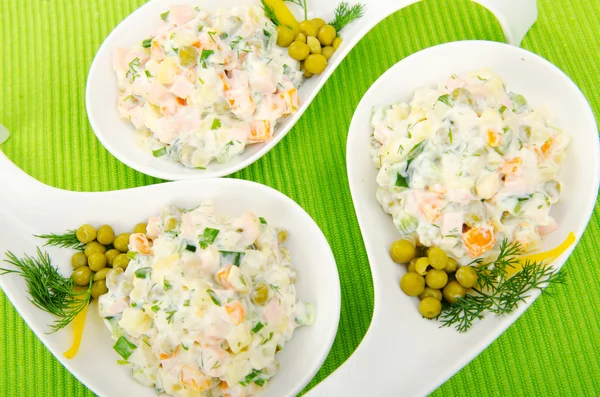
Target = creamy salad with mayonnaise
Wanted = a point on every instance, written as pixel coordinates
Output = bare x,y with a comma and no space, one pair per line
205,303
468,164
204,86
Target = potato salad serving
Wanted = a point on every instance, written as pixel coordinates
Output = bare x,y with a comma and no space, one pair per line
468,165
204,86
205,303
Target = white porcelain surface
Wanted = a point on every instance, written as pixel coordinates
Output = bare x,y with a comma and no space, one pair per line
402,353
27,207
515,16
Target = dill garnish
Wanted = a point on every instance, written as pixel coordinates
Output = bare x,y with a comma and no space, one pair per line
270,13
49,290
66,240
496,292
345,14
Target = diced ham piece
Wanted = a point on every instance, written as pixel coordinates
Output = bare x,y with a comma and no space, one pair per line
137,117
552,226
118,62
181,14
452,223
158,94
182,87
241,102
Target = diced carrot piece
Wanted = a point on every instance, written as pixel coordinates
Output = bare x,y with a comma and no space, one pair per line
166,356
194,379
223,79
180,101
222,276
479,240
196,44
546,147
236,312
140,243
260,131
493,138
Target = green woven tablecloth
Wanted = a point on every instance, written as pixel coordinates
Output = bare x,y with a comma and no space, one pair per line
46,49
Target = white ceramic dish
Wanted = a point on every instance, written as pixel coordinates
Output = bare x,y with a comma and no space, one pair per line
402,353
28,207
515,16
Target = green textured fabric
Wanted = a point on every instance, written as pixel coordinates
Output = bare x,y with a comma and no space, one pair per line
47,48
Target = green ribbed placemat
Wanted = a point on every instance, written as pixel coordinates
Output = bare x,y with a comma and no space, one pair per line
47,48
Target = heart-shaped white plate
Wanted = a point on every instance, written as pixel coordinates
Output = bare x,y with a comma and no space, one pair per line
27,207
402,353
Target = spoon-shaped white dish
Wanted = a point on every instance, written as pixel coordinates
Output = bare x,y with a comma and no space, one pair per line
515,16
403,354
28,207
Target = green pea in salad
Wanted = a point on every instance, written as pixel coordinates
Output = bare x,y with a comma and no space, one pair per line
205,304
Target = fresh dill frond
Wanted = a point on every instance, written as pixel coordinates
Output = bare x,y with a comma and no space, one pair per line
345,14
66,240
50,291
301,4
496,292
270,13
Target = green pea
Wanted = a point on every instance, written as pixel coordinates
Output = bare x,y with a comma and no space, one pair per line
86,234
327,52
437,258
140,228
78,260
412,266
121,242
308,28
430,307
402,251
81,276
422,266
285,36
101,274
298,50
466,276
412,284
313,45
97,261
315,63
301,37
318,22
337,42
111,255
327,34
99,288
452,291
105,235
430,293
436,279
451,266
121,261
92,247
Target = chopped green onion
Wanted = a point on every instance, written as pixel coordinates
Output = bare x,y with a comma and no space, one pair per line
164,15
124,347
159,152
147,43
214,297
131,254
258,327
184,347
191,248
166,285
232,257
143,272
262,220
186,303
260,382
215,124
502,109
155,308
208,237
223,36
401,181
267,33
148,74
446,100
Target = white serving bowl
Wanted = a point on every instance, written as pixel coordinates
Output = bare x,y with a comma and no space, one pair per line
28,207
118,135
402,353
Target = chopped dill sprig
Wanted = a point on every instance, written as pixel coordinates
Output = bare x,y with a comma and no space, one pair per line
345,14
270,13
66,240
49,290
496,292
